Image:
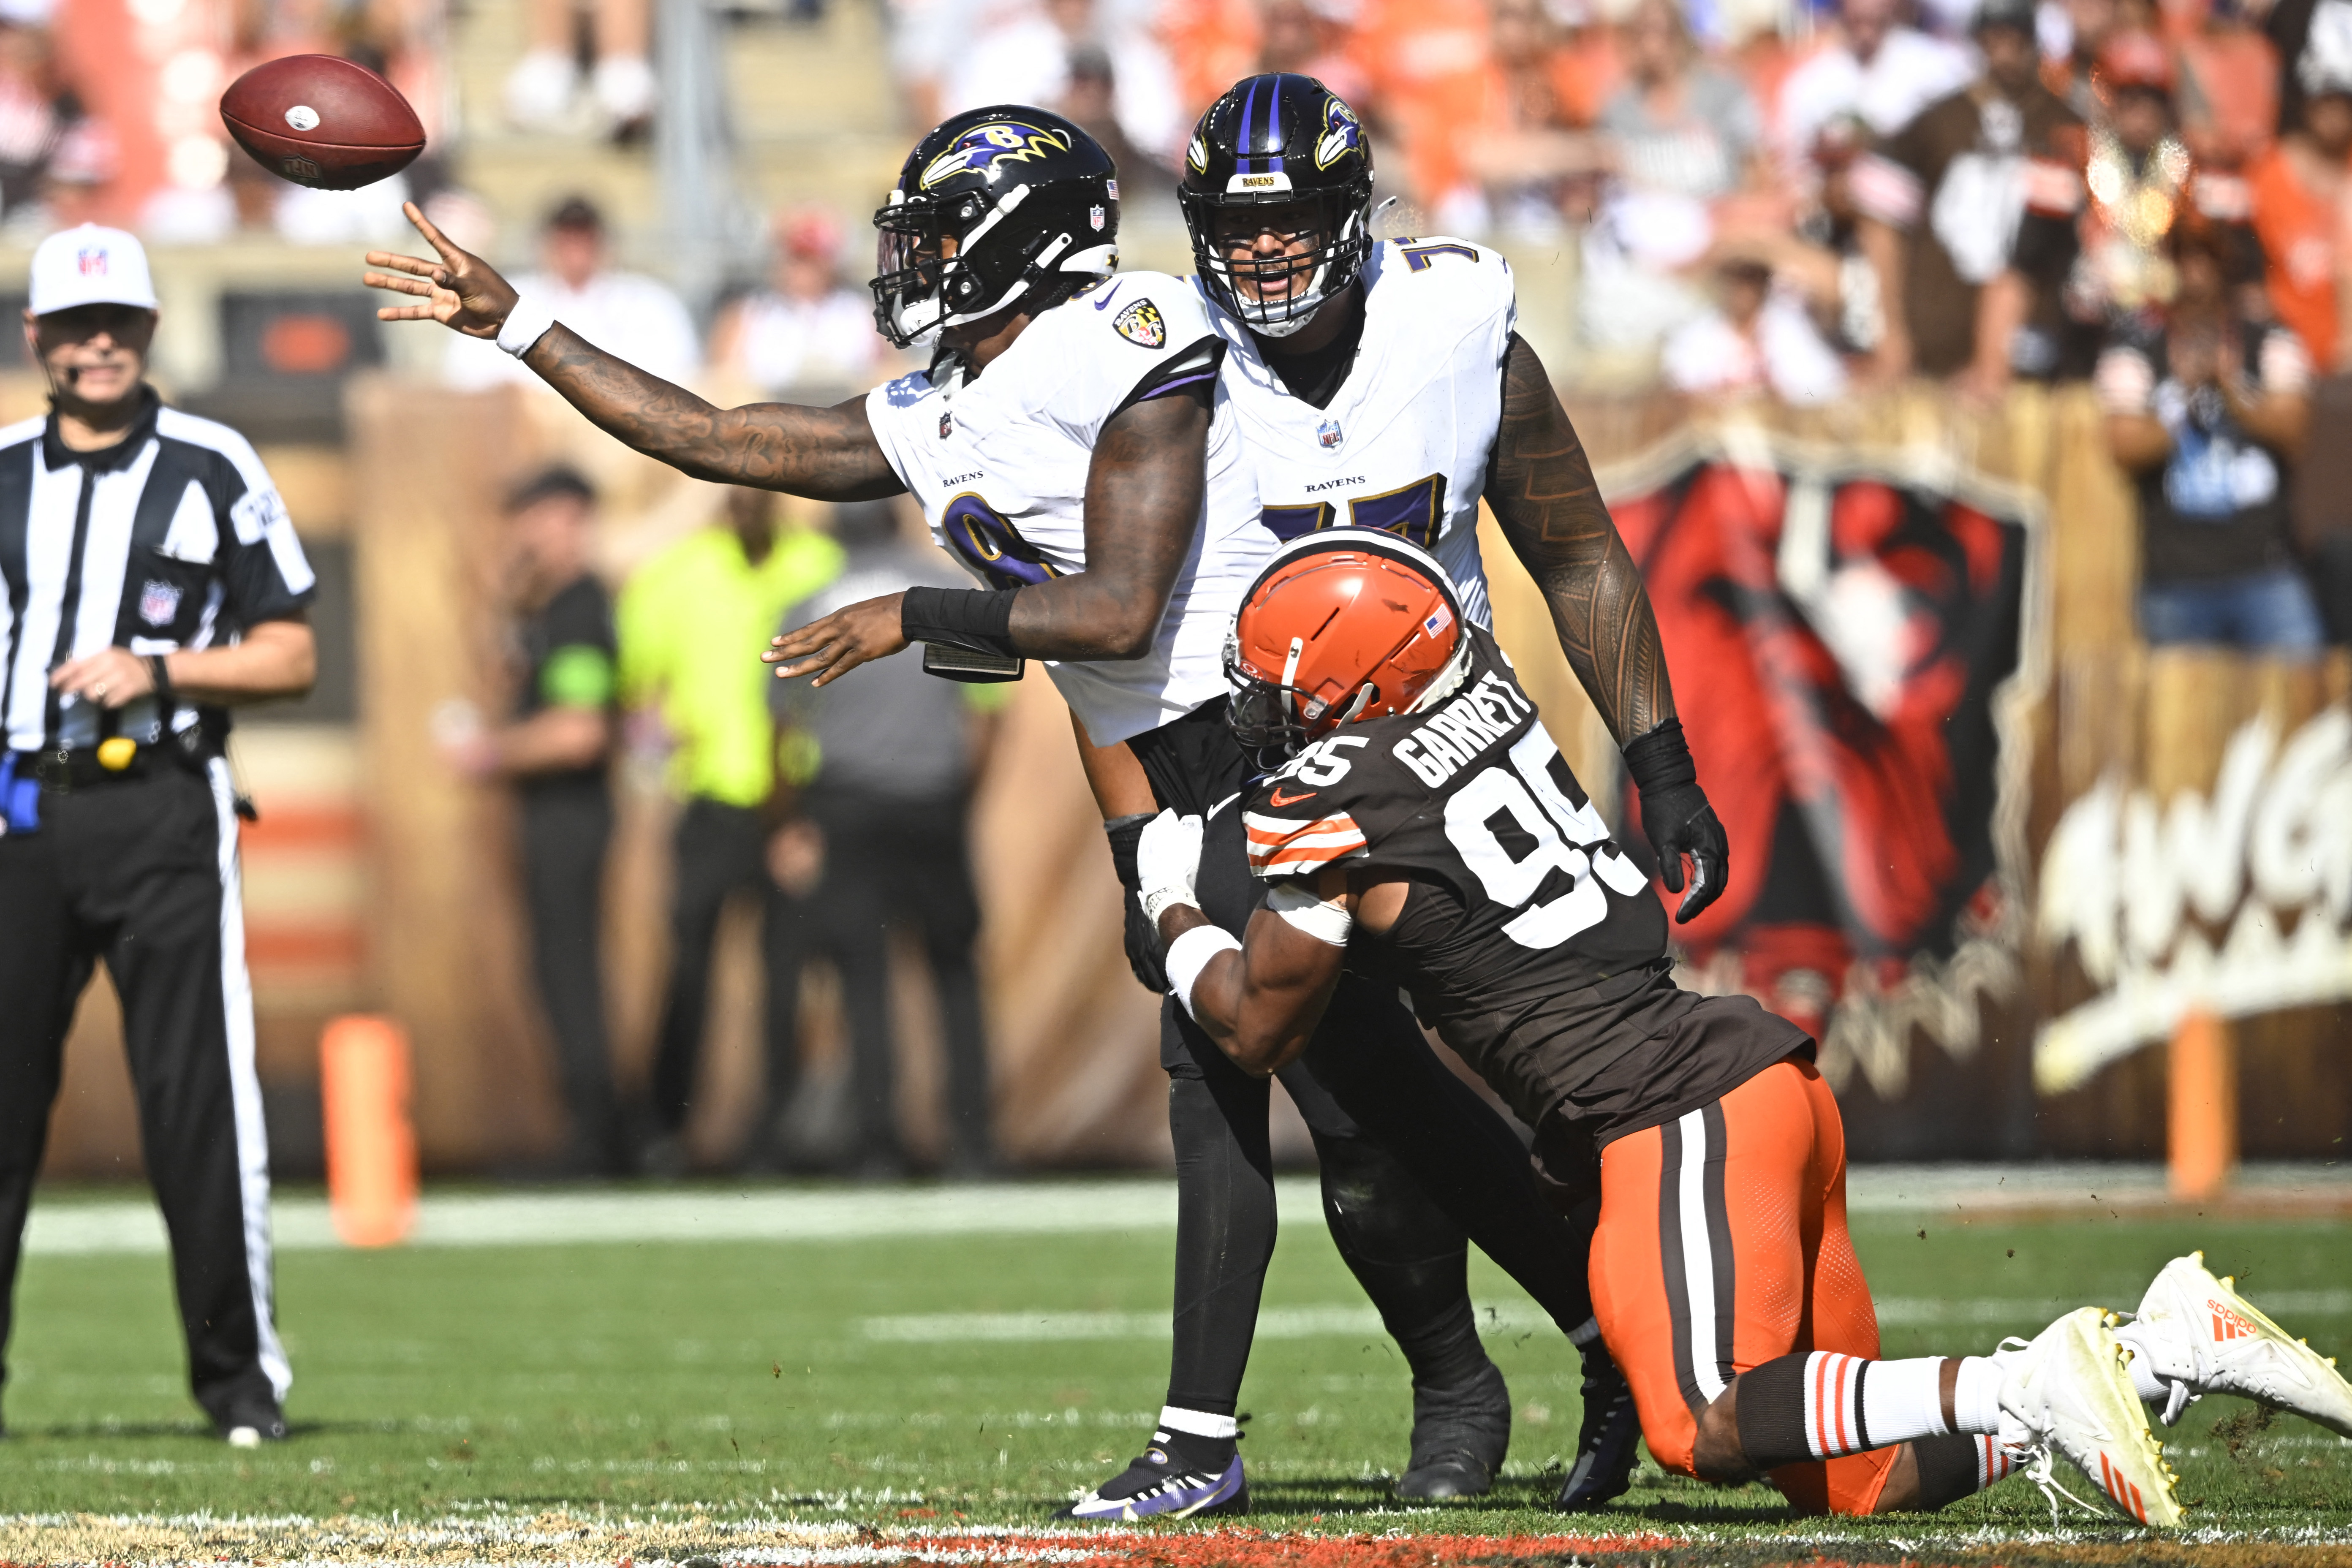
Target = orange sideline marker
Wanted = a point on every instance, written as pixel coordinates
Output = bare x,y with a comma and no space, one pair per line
371,1147
2202,1134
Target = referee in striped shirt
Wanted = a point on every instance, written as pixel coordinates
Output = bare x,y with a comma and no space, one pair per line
152,581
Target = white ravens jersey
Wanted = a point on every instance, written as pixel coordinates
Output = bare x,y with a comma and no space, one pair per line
1404,443
999,466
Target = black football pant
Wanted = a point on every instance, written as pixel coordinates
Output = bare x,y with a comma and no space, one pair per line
565,832
1415,1164
720,852
143,873
892,859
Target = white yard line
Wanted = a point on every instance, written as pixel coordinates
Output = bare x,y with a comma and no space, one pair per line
77,1225
1500,1318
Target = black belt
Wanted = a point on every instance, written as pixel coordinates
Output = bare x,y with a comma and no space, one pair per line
67,769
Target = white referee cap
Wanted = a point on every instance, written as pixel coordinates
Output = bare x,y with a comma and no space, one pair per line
90,266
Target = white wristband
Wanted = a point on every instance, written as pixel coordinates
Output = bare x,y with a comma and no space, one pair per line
525,325
1189,955
1298,906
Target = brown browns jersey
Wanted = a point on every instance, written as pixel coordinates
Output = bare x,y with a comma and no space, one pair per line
1529,941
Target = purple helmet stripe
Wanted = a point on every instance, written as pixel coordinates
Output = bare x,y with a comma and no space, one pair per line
1274,122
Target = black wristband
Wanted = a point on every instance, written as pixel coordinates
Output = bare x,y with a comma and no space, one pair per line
976,619
161,675
1661,759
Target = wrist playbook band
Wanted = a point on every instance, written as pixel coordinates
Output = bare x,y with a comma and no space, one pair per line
525,325
976,619
1189,955
1298,905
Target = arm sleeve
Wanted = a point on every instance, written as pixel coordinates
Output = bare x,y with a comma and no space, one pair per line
265,575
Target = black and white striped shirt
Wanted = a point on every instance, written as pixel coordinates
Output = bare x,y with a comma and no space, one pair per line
173,538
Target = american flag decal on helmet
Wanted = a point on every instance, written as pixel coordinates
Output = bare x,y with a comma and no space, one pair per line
1285,846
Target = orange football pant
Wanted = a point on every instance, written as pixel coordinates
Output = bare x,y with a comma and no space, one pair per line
1723,1244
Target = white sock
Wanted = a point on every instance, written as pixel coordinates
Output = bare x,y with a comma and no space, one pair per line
1198,1423
1904,1399
1976,1396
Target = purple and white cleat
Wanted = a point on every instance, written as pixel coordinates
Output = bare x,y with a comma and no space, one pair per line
1157,1486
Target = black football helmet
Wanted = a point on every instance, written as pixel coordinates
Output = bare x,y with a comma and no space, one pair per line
999,206
1271,141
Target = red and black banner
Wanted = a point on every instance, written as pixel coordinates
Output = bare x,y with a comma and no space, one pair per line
1841,644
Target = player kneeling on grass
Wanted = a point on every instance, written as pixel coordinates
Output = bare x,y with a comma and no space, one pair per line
1415,819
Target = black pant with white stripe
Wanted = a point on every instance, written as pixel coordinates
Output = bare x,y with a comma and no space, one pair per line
143,873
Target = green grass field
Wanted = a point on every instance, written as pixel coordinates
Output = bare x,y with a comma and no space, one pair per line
708,1396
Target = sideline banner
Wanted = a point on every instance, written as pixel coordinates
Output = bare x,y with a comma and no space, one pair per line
1855,645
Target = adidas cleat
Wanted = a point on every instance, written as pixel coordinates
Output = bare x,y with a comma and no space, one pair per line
1155,1487
2202,1336
1608,1441
2067,1394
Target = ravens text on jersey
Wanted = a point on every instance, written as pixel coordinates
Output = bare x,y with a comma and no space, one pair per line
1402,445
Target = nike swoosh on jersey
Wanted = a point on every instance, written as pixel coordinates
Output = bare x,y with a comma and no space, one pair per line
1222,803
1277,799
1107,299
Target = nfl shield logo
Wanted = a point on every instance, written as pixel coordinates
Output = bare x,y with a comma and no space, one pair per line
1327,432
158,602
947,425
91,261
1095,216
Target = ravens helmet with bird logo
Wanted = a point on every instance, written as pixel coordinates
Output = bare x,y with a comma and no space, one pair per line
1279,141
997,207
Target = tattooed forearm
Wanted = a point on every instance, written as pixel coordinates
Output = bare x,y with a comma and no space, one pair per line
826,453
1143,501
1540,485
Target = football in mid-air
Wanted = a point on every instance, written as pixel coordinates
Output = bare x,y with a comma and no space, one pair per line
322,122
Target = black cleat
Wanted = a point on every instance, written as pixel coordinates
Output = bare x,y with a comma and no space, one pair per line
1607,1443
1459,1437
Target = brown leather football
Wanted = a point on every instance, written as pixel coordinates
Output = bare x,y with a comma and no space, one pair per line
322,122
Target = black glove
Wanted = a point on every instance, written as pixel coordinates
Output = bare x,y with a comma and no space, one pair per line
1676,819
1144,955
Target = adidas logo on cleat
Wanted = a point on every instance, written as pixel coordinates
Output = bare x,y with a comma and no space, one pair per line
2229,1325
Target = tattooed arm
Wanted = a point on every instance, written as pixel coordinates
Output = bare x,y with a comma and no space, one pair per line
826,453
1541,487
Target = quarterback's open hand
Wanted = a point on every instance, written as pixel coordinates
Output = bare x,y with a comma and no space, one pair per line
831,647
460,290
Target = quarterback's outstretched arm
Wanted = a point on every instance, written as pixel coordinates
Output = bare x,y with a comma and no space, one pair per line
1540,485
829,453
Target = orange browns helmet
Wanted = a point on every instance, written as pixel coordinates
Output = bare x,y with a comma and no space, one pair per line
1343,625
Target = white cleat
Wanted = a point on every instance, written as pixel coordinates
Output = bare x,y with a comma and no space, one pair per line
2202,1336
2067,1393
